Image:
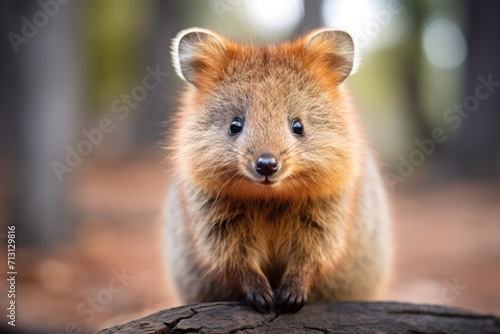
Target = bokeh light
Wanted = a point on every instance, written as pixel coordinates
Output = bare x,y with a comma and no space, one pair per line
275,15
444,44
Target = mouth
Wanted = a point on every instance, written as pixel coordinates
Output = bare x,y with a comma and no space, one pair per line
263,180
267,181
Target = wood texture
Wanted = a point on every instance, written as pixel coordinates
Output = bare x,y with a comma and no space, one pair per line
328,317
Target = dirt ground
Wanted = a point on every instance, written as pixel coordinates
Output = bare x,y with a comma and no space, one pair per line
447,251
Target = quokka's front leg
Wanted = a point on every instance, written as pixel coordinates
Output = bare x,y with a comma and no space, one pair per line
257,290
235,246
304,258
291,295
252,281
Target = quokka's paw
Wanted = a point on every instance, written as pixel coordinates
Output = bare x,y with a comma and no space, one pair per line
260,296
290,297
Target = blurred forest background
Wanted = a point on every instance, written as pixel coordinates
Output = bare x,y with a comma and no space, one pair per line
86,202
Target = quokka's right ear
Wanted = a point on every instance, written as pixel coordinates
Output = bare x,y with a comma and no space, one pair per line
335,49
196,50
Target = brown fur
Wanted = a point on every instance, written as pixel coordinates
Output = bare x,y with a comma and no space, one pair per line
321,230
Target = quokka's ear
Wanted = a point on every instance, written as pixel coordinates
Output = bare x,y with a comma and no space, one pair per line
195,50
335,48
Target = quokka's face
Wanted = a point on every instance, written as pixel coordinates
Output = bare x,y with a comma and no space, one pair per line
263,122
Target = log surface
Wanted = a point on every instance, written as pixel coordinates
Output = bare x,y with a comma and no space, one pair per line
327,317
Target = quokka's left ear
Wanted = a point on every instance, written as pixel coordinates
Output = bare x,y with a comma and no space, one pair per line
334,47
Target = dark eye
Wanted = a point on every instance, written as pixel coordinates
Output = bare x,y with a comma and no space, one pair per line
236,126
297,127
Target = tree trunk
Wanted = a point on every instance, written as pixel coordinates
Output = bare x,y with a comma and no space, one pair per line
327,317
40,95
474,152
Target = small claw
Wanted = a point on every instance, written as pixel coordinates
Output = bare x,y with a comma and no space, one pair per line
258,294
262,303
289,301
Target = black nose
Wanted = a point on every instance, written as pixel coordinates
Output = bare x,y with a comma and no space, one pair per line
266,164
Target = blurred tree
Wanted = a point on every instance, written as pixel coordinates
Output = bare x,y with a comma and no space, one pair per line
115,32
39,117
169,17
11,88
474,151
411,71
312,17
123,38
